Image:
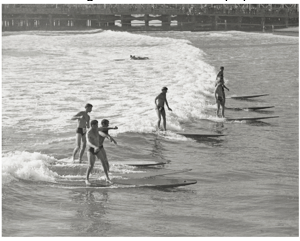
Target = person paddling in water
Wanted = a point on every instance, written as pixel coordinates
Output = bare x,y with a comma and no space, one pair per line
82,125
138,58
95,139
160,101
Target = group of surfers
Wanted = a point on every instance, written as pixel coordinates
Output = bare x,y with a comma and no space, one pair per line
88,132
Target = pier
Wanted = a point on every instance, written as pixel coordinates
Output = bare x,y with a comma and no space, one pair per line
149,17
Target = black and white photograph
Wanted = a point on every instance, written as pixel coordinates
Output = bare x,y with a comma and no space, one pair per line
160,119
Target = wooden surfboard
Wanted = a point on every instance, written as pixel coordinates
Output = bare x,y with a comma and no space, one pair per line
258,107
135,182
245,96
250,108
250,118
140,163
157,182
159,172
198,135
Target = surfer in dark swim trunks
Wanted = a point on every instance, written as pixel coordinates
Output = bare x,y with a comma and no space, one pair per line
92,150
95,139
160,101
82,125
220,98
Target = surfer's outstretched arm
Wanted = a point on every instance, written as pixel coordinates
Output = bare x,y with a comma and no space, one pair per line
107,136
78,115
107,128
112,139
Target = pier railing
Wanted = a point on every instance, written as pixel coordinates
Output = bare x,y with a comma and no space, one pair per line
80,9
114,16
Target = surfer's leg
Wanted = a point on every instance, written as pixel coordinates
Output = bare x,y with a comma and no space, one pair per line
102,156
159,118
91,162
163,113
218,108
82,149
223,108
77,143
105,157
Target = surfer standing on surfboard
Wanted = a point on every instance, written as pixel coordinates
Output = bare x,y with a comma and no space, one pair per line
160,101
82,125
95,139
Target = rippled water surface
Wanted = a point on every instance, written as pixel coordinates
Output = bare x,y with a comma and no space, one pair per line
247,181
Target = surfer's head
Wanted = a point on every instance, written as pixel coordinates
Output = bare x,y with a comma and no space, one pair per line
221,68
94,123
88,107
164,89
105,122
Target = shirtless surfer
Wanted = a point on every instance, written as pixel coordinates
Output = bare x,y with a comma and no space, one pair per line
95,139
220,98
160,101
220,78
82,125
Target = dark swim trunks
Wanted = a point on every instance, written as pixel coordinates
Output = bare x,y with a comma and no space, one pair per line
161,108
80,130
92,150
220,99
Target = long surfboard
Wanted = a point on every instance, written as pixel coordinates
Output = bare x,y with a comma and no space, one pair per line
141,163
159,172
136,182
245,96
198,135
258,107
157,182
250,118
250,108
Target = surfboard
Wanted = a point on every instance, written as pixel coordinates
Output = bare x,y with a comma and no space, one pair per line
140,163
250,108
96,184
141,58
198,135
81,183
135,182
157,182
250,118
245,96
258,107
159,172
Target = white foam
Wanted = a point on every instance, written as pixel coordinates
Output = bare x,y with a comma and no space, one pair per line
28,166
47,88
41,167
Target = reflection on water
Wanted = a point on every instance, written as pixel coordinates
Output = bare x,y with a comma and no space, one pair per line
90,218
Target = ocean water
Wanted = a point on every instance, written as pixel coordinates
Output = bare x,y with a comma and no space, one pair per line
247,181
